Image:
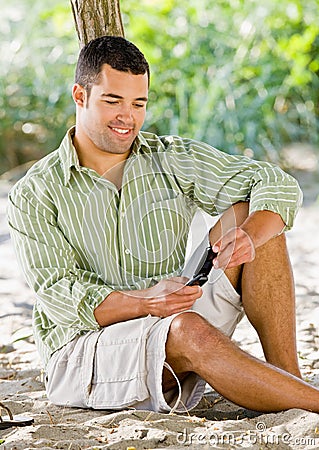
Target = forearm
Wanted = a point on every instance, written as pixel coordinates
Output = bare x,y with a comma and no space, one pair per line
118,307
167,297
237,237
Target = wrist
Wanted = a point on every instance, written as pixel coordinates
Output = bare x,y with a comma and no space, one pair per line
252,243
139,298
136,300
261,226
119,306
132,299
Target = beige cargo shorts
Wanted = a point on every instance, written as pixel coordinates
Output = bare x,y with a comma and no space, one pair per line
121,365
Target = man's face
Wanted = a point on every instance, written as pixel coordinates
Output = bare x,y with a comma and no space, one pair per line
110,119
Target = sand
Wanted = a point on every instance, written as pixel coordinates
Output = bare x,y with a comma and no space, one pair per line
214,424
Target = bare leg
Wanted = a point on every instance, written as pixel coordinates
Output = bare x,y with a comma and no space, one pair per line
269,301
267,290
193,345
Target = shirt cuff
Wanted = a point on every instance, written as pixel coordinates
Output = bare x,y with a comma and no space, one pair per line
89,302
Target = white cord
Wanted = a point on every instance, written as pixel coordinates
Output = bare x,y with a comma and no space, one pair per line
179,388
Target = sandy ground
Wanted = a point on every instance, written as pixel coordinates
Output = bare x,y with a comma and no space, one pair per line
22,388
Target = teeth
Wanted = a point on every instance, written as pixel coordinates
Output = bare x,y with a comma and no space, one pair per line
120,130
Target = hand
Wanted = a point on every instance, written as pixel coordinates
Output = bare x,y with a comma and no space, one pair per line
234,248
169,297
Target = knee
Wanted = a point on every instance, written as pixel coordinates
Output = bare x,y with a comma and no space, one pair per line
191,327
183,323
191,339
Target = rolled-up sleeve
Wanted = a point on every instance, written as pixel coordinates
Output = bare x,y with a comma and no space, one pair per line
216,180
274,190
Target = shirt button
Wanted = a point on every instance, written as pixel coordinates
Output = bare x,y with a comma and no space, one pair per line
127,251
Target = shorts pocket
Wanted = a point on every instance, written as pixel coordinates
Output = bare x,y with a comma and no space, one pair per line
69,372
220,304
120,369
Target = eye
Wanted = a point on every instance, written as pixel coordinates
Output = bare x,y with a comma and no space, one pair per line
139,105
111,102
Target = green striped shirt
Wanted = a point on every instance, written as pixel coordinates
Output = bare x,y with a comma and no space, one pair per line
78,237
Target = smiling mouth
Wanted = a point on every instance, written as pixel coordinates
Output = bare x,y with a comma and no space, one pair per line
121,130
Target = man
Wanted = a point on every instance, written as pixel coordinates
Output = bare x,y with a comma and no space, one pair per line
100,227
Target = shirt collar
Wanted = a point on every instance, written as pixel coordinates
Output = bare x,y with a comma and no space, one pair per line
141,145
69,157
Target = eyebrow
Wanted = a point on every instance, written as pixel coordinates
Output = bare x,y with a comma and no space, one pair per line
139,99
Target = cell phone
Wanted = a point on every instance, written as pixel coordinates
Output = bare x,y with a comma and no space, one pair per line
204,267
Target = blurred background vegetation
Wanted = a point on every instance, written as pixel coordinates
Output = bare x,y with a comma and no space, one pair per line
242,75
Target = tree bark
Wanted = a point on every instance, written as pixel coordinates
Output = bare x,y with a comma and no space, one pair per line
95,18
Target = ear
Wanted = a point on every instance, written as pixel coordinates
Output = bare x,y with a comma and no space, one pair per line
79,95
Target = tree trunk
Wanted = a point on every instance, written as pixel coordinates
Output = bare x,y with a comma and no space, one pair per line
95,18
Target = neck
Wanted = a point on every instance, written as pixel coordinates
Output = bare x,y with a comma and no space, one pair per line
93,158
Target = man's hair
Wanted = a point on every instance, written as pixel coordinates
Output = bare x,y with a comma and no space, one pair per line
115,51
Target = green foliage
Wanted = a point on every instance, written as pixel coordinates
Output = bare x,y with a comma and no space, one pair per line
39,49
238,74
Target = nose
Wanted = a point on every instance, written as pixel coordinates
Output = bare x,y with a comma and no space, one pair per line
125,113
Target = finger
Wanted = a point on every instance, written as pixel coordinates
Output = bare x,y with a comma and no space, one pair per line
172,307
245,249
165,287
251,243
185,299
239,259
224,257
224,241
194,290
181,280
243,253
237,248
